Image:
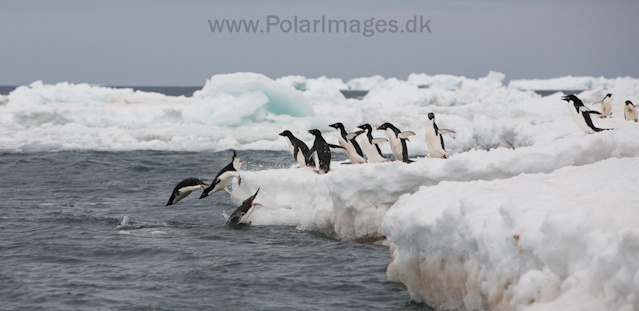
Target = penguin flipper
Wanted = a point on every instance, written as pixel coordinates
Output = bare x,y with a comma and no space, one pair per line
352,135
405,134
446,131
336,146
309,155
598,103
379,140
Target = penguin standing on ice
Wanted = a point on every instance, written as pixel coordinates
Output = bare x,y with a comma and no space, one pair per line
298,149
435,140
397,140
581,114
630,112
369,144
322,150
606,104
243,212
349,143
224,177
184,188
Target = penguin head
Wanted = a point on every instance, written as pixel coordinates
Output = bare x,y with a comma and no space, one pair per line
315,132
365,127
384,126
204,195
286,133
570,98
431,116
607,95
337,126
629,103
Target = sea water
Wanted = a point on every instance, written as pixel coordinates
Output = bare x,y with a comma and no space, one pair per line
88,230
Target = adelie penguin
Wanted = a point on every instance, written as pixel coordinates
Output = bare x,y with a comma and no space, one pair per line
323,151
298,149
630,112
369,144
606,105
241,215
397,140
223,179
435,140
349,143
581,115
184,188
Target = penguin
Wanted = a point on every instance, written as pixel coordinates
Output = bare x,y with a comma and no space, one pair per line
322,151
606,104
349,143
369,144
298,149
581,114
224,177
397,141
630,112
435,140
243,212
184,188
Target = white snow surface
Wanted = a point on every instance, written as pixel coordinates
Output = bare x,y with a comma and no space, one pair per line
528,213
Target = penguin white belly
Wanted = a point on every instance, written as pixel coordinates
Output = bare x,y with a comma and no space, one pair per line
300,158
370,150
579,119
350,151
395,143
434,144
184,192
630,114
290,147
607,106
225,181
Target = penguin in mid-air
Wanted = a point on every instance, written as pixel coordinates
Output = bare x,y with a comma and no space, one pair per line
322,150
369,144
349,143
298,149
606,104
224,177
243,212
630,112
184,188
397,140
581,114
435,140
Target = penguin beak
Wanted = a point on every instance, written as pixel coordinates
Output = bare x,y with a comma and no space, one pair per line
565,98
281,134
333,125
361,126
380,128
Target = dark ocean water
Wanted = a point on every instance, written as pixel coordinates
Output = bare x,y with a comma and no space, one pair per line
89,230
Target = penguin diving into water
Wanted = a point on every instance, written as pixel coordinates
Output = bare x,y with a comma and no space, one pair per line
349,143
184,188
224,177
606,104
630,112
435,140
369,144
581,114
321,149
241,215
397,140
298,149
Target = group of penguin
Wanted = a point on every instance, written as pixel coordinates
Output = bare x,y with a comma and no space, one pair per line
583,115
366,150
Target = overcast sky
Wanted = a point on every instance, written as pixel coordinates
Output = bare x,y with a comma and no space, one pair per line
146,43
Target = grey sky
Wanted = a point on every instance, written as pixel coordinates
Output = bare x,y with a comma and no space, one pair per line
170,42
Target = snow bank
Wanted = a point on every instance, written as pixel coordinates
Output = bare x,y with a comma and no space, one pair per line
568,240
561,83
